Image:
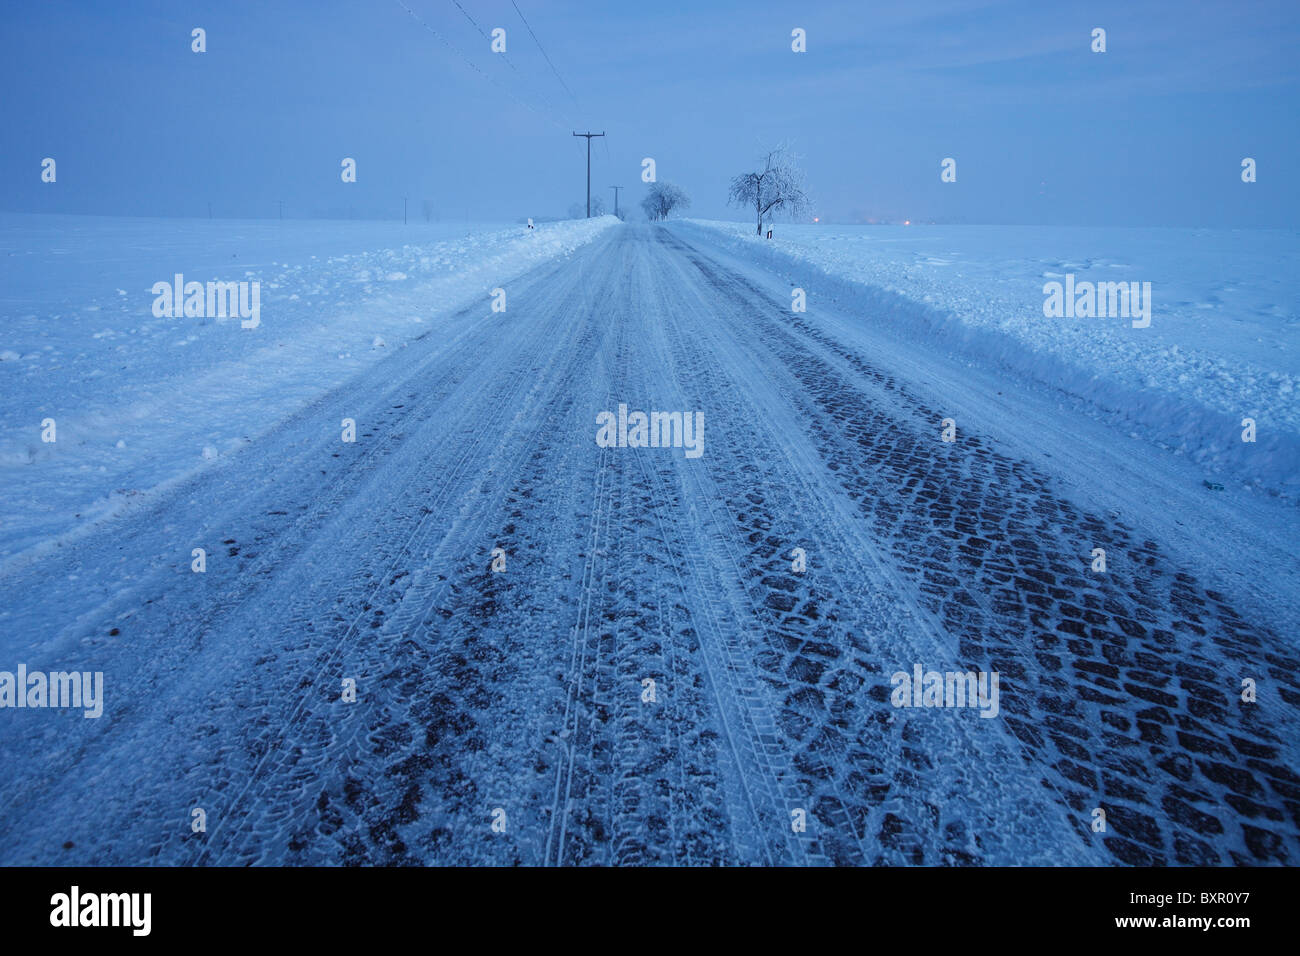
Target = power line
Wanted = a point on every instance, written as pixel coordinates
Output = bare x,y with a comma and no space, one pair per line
548,59
509,62
576,104
445,42
483,34
471,20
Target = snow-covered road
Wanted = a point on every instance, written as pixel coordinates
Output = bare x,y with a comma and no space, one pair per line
649,679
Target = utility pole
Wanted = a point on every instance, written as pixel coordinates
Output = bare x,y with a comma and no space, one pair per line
616,189
589,136
280,203
403,210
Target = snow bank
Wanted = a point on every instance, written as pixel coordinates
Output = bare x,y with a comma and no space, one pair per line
140,400
1222,344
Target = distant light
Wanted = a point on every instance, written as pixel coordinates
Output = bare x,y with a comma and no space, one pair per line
815,219
907,222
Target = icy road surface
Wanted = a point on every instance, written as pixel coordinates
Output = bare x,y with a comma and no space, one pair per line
518,697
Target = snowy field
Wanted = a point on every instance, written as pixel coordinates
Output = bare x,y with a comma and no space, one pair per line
140,400
1223,342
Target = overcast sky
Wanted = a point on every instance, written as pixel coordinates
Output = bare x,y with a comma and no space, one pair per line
1152,132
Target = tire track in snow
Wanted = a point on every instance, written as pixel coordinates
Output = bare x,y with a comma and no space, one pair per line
414,645
290,600
1101,735
886,787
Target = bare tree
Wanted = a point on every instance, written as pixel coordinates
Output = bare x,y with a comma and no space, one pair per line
426,207
777,187
662,198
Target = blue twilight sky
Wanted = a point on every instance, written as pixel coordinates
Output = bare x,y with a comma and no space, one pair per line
1152,132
